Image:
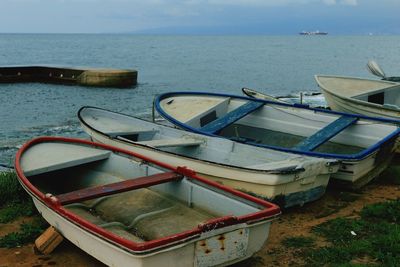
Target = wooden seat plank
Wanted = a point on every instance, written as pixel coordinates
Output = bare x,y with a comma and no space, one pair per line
118,187
325,133
232,116
172,142
132,132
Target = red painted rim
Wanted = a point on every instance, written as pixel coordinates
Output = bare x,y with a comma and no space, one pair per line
270,210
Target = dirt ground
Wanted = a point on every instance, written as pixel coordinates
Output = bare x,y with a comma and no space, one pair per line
293,222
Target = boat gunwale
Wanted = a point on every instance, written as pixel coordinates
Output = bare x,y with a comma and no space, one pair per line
355,100
357,156
268,171
269,212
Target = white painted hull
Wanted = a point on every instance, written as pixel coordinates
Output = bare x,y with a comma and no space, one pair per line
168,217
357,174
349,105
112,255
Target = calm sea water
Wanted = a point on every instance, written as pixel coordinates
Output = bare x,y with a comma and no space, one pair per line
274,64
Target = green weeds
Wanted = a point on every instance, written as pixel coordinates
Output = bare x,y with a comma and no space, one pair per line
10,190
375,236
299,242
14,201
14,210
27,233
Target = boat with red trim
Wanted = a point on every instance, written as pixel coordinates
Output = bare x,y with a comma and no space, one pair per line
130,210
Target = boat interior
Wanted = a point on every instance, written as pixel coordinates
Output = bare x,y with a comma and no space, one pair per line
183,143
282,126
129,198
387,97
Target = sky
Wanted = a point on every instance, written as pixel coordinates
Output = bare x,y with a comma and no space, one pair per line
275,17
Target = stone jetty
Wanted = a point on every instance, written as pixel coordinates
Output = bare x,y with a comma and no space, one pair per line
120,78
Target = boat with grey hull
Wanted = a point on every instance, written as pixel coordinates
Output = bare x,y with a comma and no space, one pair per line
284,178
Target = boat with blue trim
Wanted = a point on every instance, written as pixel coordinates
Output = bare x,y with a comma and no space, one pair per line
364,145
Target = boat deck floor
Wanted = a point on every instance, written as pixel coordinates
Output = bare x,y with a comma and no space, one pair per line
280,139
140,215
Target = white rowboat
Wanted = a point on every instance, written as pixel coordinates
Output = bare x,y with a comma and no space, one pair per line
375,98
128,210
284,178
364,145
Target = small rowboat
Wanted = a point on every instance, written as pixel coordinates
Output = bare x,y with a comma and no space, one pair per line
376,98
284,178
364,145
129,210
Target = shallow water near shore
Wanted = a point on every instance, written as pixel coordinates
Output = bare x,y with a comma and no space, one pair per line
277,65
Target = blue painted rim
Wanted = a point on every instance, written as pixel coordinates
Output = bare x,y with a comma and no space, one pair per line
357,156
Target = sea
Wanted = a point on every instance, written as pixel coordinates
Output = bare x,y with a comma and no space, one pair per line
277,65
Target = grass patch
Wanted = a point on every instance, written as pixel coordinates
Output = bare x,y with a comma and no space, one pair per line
299,242
376,236
14,201
387,211
10,189
12,211
28,233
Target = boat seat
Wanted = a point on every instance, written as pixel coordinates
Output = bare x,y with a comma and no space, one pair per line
325,133
70,156
118,187
176,142
209,114
129,133
232,116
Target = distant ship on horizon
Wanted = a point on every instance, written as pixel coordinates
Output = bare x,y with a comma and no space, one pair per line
313,33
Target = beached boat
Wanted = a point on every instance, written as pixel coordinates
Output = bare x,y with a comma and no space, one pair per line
128,210
364,145
377,98
286,179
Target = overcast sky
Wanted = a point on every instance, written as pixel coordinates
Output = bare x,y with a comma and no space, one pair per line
200,16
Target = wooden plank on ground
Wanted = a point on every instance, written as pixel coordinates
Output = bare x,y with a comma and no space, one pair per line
48,241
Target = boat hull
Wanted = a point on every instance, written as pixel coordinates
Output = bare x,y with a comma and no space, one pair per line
349,105
112,255
376,137
184,216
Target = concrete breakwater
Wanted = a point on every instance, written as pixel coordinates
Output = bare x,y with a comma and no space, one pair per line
119,78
